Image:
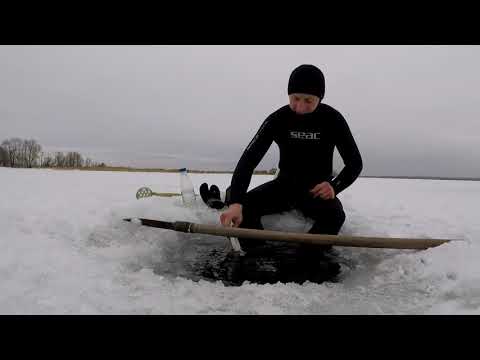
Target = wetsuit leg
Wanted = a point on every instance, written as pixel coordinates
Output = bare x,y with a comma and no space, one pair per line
328,216
268,198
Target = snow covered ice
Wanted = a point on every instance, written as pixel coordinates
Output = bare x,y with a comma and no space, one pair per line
66,250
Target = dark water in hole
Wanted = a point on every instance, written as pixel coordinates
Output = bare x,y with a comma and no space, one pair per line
270,262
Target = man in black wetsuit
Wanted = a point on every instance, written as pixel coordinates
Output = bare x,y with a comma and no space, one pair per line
306,132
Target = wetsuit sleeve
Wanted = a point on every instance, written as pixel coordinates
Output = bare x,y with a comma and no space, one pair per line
249,160
348,150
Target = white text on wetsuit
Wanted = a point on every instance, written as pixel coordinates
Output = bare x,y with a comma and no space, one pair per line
304,135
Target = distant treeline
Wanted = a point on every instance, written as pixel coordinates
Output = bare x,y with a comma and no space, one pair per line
20,153
169,170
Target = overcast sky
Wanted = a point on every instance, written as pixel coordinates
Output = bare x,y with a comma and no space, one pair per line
413,110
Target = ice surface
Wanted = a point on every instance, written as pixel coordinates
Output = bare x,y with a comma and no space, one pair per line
66,250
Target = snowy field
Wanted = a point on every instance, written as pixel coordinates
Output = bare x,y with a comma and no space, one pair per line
65,249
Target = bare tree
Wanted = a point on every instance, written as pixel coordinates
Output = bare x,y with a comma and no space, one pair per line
48,161
41,157
79,162
69,160
3,157
22,155
59,159
13,147
73,160
31,152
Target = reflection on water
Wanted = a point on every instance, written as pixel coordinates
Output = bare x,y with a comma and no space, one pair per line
270,262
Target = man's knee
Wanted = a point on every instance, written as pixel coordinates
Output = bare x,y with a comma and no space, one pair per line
338,219
341,218
334,213
329,223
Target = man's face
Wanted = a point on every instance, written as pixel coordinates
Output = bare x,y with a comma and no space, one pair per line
303,103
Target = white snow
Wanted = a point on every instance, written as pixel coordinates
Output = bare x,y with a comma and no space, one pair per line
64,249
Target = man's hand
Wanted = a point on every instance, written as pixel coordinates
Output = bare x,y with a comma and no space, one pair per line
232,216
324,190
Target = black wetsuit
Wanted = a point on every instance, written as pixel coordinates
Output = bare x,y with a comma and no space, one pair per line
306,143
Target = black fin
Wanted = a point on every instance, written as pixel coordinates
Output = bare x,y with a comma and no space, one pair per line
215,192
204,193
